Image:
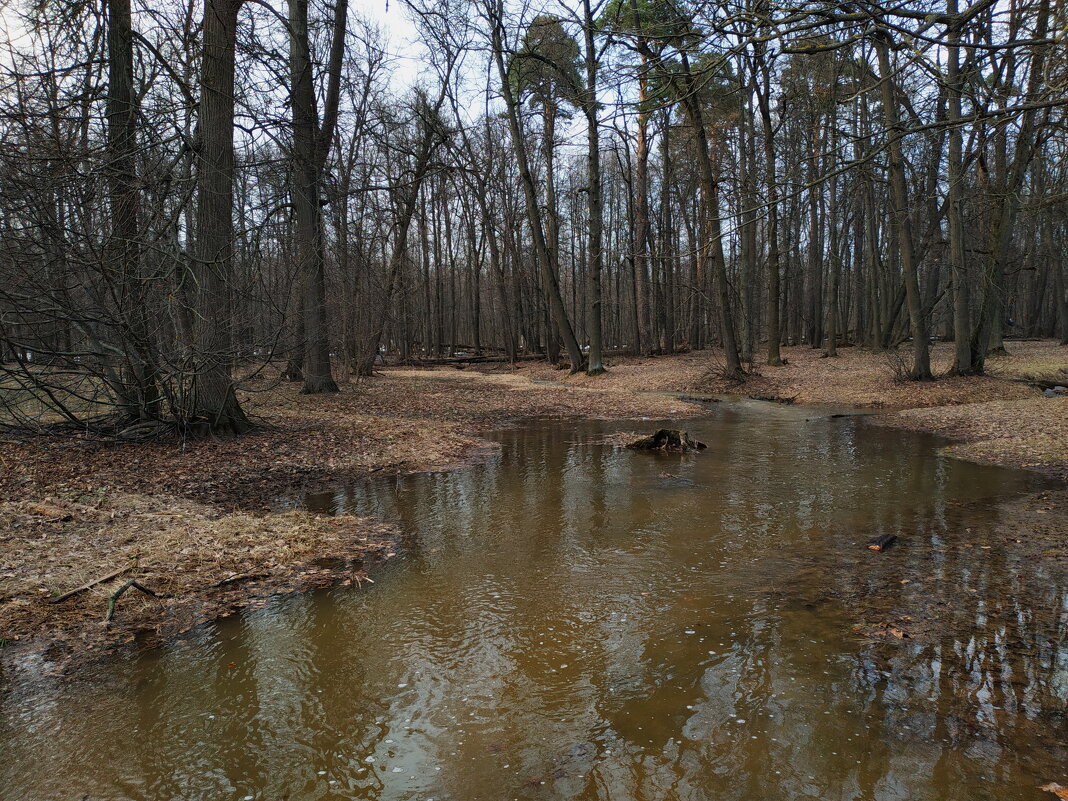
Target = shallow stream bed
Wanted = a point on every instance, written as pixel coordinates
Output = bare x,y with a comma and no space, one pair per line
571,620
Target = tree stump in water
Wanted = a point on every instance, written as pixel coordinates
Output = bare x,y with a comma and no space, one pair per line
882,542
667,439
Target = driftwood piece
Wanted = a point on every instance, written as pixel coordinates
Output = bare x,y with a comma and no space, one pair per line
667,439
882,542
91,584
135,584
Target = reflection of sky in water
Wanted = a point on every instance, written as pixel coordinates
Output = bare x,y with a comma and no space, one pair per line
574,621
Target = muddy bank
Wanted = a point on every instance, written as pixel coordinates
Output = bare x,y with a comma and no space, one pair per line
197,521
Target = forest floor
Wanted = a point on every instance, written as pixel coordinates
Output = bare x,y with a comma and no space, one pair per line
201,522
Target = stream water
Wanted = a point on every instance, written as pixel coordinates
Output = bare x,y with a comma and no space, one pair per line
574,621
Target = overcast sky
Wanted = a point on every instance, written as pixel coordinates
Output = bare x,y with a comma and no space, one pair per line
395,20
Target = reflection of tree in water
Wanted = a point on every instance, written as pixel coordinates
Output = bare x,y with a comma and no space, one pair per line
984,683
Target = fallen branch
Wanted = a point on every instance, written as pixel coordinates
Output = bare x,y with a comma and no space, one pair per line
91,584
118,593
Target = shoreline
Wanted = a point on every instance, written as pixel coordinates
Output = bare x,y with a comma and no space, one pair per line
199,521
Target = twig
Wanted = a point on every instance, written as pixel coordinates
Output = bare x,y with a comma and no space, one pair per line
137,586
236,579
92,583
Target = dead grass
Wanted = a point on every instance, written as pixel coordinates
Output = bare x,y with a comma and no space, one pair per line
175,547
857,377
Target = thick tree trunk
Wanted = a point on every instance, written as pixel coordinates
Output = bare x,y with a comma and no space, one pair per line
214,402
137,389
774,292
667,238
310,146
830,328
714,246
641,218
552,227
747,213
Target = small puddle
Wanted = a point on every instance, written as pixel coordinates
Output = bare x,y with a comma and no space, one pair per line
574,621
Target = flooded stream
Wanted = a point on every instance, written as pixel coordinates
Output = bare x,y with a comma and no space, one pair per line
574,621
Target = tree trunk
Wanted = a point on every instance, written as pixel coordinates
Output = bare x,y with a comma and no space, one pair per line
550,281
214,402
962,327
641,218
988,326
138,391
710,195
310,146
774,292
552,228
594,256
921,355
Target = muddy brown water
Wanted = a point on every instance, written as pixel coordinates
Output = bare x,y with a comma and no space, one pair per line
574,621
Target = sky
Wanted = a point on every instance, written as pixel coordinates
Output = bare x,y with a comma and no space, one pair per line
390,15
394,19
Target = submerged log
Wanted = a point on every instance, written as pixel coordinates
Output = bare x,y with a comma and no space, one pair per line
882,542
667,439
